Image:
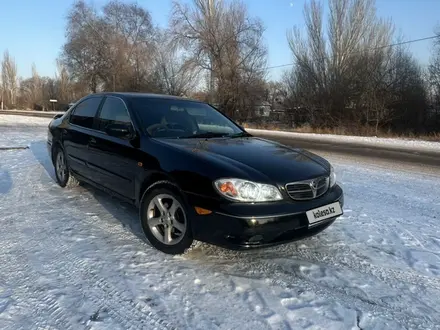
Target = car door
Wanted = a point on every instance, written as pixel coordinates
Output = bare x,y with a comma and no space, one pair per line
115,159
76,135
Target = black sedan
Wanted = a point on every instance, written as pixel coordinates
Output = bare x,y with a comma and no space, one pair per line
193,173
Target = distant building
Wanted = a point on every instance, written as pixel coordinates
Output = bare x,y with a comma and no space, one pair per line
262,110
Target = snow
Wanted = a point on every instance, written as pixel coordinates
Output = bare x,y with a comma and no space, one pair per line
17,120
16,131
358,140
76,259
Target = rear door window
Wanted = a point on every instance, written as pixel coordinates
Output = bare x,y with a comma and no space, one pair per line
85,112
113,111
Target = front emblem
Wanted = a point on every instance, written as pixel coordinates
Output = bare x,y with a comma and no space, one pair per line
314,187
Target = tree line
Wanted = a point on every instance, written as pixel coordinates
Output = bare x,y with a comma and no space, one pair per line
349,68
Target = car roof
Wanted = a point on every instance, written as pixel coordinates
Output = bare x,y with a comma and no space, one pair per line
131,95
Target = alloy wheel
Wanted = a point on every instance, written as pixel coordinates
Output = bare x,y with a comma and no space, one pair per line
166,219
60,166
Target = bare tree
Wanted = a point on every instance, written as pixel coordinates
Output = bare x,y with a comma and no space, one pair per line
36,91
111,50
356,78
434,81
31,91
175,71
226,42
9,80
131,34
2,92
64,84
84,52
329,78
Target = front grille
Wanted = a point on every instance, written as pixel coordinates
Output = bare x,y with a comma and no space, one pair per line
304,190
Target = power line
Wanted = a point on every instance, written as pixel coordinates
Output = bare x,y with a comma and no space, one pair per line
371,49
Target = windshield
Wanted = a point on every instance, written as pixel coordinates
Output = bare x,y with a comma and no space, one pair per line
168,118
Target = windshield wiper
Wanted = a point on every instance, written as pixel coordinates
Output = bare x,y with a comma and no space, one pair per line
241,134
204,135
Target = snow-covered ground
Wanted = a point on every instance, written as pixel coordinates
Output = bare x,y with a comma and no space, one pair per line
18,131
20,121
76,259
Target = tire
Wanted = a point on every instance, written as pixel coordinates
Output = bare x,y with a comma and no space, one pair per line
63,175
165,220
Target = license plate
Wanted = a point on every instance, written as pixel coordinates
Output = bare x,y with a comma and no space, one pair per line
324,212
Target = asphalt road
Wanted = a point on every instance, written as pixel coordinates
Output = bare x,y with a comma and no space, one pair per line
421,162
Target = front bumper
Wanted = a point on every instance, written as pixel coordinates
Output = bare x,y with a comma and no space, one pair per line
240,226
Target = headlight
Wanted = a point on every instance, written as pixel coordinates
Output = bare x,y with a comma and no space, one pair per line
247,191
332,176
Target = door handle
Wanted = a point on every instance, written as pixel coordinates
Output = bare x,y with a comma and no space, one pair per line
92,140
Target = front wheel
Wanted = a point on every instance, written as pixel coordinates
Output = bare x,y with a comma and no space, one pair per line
62,171
165,221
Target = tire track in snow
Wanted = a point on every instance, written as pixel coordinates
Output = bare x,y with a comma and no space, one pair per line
280,271
387,275
258,305
92,220
351,261
123,234
250,297
285,276
102,292
23,280
273,320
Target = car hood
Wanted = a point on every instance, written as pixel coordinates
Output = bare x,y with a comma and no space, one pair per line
278,163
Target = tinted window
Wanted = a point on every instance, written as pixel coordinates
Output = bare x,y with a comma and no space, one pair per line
84,113
113,112
181,118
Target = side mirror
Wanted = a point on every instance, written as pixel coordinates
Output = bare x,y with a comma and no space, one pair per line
119,130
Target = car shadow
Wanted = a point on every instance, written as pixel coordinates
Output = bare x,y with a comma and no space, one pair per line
125,213
39,150
5,181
